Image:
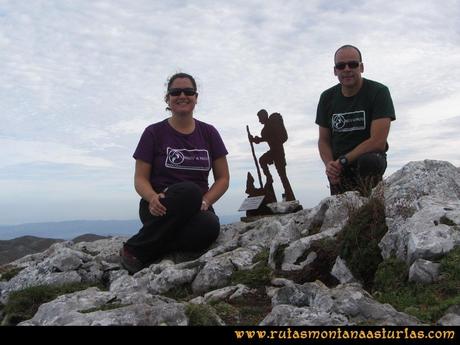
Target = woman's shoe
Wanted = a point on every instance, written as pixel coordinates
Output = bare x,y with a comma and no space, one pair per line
129,261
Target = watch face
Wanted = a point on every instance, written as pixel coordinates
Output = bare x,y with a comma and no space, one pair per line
343,161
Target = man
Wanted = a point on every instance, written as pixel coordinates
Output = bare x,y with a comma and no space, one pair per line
274,133
354,119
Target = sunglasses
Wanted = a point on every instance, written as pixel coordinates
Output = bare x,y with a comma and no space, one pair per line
351,64
188,91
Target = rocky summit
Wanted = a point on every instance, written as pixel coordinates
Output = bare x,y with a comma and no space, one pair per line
304,268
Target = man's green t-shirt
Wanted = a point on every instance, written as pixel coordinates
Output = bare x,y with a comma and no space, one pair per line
349,118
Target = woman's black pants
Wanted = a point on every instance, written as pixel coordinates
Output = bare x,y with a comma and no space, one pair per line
184,227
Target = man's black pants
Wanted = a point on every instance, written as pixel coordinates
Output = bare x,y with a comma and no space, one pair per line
363,174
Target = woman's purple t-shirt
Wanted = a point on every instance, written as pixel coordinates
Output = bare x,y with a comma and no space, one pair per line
177,157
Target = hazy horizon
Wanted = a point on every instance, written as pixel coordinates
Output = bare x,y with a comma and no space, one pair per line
82,79
69,229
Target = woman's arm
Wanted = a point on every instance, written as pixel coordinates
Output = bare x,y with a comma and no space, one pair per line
221,182
145,190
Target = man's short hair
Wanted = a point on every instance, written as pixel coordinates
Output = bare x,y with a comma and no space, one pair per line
349,46
262,112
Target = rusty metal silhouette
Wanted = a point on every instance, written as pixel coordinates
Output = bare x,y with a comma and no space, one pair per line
275,135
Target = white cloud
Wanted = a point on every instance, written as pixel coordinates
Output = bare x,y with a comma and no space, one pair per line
24,152
82,79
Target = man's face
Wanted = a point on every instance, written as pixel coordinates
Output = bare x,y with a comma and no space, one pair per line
262,118
349,76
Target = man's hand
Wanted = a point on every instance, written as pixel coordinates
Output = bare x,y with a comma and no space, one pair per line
333,171
256,140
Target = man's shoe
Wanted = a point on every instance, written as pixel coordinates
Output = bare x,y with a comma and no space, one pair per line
129,261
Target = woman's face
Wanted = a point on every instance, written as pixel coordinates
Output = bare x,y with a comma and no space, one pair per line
182,104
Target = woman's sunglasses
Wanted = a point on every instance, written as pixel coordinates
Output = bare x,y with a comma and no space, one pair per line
188,91
351,64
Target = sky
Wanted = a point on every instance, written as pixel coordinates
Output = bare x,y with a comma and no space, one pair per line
81,79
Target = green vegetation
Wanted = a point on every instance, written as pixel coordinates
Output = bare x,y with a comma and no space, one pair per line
107,306
261,256
357,244
10,273
360,238
259,276
427,302
445,220
180,293
201,315
227,312
314,227
278,255
23,304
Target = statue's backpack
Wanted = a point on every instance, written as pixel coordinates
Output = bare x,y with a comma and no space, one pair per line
278,130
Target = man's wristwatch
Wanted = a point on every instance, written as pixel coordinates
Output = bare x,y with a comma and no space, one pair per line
343,160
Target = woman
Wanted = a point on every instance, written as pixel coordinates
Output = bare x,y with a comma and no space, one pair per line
173,160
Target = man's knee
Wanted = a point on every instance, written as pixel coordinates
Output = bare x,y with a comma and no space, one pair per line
371,164
266,159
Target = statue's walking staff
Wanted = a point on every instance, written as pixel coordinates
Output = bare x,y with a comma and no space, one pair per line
254,155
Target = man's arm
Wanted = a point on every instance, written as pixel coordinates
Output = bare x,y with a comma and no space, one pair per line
333,168
376,142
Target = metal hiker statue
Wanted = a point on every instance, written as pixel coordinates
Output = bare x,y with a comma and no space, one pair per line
275,135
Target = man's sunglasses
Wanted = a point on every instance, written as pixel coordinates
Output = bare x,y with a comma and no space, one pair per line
351,64
188,91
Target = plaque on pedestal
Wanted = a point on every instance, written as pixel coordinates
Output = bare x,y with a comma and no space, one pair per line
251,203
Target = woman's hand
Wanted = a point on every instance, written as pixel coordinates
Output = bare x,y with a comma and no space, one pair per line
204,205
156,208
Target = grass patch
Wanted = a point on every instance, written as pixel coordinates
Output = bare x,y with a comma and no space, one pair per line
201,315
261,256
360,238
426,302
104,307
250,309
253,309
326,250
227,312
259,275
447,221
10,274
180,293
314,227
278,255
23,304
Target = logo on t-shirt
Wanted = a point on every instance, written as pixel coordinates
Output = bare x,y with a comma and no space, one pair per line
187,159
347,122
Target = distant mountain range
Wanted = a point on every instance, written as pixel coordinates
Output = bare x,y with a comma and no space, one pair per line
67,230
17,241
16,248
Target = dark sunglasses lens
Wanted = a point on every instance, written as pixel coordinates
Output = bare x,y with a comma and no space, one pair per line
189,92
174,92
353,64
177,92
